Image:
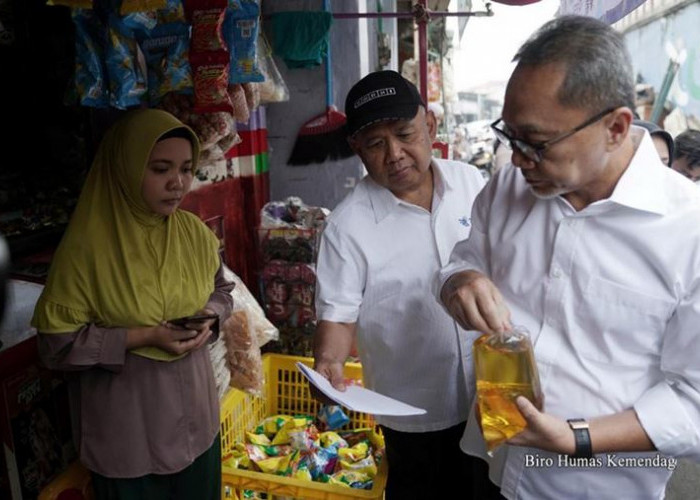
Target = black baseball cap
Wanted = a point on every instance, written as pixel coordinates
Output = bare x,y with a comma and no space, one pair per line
379,96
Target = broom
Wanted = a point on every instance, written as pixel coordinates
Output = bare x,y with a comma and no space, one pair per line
323,137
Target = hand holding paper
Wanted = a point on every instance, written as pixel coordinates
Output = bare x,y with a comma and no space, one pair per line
358,398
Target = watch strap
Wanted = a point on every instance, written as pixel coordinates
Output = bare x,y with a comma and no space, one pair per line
584,448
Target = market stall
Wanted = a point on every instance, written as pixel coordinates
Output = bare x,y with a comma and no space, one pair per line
76,67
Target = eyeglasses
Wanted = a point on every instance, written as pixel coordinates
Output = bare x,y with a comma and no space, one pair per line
534,152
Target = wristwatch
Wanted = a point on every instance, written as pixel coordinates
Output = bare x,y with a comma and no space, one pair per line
584,449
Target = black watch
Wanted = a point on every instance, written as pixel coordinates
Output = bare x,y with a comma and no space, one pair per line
584,449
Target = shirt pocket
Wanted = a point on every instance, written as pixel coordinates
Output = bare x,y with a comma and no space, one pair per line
619,324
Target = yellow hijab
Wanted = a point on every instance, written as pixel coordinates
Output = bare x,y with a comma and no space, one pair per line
119,264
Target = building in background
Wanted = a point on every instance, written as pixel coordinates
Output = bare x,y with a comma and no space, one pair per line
664,41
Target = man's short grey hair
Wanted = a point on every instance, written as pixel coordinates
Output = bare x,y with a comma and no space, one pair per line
598,66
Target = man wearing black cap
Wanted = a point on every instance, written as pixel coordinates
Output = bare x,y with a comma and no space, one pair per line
379,253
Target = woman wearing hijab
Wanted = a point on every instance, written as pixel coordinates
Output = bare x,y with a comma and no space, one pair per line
143,397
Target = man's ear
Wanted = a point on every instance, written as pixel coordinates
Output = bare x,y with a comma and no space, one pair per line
431,122
619,126
354,145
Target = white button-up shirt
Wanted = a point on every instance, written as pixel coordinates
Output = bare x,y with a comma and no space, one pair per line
377,261
611,295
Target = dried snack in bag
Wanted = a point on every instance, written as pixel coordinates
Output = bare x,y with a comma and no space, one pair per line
243,354
252,95
241,112
272,88
264,330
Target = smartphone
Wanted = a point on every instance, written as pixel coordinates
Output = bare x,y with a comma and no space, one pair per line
195,318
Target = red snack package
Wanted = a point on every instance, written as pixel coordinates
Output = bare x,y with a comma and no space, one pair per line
305,315
308,275
278,313
293,272
210,76
276,292
206,30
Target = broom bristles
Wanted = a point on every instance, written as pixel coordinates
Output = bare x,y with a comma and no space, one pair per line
321,138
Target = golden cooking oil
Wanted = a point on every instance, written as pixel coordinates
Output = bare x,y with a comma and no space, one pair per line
505,368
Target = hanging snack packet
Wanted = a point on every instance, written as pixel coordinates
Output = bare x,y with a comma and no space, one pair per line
131,6
126,66
165,49
90,78
240,32
173,12
241,112
210,76
252,95
273,88
206,28
73,4
140,21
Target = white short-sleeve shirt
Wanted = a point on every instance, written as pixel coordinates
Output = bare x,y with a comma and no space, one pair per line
376,266
611,295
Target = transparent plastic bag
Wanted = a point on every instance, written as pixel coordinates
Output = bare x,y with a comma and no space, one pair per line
243,356
273,88
264,330
505,368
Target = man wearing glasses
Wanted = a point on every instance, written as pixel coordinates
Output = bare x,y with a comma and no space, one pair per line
593,245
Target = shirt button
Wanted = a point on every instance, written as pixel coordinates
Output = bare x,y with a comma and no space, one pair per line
556,273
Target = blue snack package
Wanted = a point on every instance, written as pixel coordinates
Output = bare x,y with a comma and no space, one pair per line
240,32
125,65
332,417
165,49
90,78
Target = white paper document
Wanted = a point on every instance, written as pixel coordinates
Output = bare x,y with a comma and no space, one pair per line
358,398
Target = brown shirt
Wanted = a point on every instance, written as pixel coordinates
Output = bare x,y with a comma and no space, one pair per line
132,415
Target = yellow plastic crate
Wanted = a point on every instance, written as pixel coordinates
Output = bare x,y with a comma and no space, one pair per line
74,482
285,391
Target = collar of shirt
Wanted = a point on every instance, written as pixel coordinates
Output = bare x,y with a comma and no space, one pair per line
384,201
638,187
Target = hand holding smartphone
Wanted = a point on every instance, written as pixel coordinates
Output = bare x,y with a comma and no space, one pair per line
196,322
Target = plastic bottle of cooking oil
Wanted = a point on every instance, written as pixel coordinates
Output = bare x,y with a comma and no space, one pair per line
505,368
